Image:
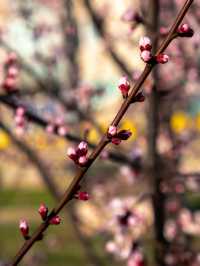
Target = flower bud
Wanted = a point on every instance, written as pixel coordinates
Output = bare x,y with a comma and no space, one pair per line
145,44
116,141
139,97
185,31
124,86
146,56
131,16
9,84
82,161
82,195
20,111
62,131
124,134
55,220
24,228
112,131
50,128
71,152
162,58
13,72
43,211
82,148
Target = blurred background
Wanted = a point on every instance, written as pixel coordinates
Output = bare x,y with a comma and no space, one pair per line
60,62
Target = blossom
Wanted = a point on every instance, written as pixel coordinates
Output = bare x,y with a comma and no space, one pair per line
124,86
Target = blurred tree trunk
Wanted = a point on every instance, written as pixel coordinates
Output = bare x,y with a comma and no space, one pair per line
153,124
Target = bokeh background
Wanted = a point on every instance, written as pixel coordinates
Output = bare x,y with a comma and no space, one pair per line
70,56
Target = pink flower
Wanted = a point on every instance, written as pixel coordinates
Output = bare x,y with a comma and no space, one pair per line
146,56
24,228
124,86
162,58
112,131
145,44
55,220
43,211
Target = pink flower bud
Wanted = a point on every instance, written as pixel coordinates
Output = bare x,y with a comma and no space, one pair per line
131,16
185,31
43,211
116,141
24,228
9,84
20,111
82,148
71,152
146,56
162,58
124,86
50,128
112,131
11,58
55,220
12,72
19,120
124,134
145,44
82,195
82,161
62,131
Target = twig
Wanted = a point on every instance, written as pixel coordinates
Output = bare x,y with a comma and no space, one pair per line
48,181
68,195
13,103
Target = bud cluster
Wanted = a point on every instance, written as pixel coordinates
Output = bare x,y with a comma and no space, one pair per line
117,136
79,154
20,120
12,72
146,55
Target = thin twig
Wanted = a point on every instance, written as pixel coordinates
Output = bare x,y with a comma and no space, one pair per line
47,178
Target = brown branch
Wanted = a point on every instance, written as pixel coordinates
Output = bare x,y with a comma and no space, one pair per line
69,193
52,187
13,102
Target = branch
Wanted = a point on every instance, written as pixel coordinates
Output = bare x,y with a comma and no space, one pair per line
12,102
48,181
71,190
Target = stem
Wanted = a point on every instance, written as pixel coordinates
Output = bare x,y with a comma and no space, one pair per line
47,178
103,142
